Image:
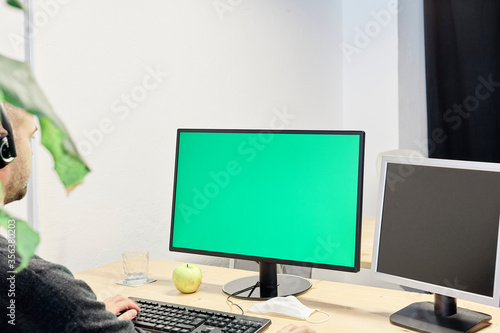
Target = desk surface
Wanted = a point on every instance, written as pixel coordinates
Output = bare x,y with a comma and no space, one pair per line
353,308
367,237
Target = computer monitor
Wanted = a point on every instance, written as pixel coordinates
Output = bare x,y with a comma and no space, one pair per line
272,196
437,230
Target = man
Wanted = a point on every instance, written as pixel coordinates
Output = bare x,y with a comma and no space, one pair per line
45,297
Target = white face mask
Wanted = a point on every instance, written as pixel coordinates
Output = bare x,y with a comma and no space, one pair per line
289,306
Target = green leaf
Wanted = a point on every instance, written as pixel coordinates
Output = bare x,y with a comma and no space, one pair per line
15,3
18,87
68,164
26,240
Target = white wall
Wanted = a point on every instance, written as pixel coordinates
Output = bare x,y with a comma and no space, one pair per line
11,38
241,65
370,82
244,68
412,93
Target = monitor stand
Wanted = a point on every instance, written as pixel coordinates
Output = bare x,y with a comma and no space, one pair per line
442,316
267,285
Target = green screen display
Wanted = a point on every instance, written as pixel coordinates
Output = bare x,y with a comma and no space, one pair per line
282,195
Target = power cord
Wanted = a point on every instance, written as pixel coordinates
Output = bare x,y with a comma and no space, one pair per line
252,288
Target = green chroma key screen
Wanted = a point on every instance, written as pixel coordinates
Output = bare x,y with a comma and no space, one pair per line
284,196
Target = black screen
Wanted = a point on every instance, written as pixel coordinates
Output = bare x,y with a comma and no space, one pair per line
440,226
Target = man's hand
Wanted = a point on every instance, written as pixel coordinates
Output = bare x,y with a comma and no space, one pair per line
295,329
118,303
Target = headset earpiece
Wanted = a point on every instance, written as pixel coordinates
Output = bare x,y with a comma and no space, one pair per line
7,146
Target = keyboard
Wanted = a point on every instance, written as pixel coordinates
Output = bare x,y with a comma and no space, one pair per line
158,316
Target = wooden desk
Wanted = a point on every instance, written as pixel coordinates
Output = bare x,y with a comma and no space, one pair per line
353,308
367,237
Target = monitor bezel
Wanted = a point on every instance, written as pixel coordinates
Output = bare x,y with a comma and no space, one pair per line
354,268
424,286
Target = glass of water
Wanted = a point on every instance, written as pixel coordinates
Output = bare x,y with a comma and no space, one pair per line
135,266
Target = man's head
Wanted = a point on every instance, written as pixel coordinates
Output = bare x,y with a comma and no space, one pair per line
15,175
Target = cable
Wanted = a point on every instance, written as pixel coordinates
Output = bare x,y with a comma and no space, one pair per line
257,284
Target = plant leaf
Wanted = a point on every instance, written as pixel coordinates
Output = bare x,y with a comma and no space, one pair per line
15,3
68,163
19,88
26,240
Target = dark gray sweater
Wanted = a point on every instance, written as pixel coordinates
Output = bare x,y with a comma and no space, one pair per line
45,297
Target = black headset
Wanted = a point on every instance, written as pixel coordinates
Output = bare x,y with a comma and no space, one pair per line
7,146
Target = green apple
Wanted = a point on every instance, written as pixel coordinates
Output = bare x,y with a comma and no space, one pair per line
187,278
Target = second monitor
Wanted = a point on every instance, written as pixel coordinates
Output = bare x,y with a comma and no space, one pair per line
438,231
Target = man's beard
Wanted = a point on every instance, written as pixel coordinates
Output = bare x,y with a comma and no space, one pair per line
17,187
13,195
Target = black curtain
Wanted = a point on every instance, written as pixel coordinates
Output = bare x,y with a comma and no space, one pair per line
462,42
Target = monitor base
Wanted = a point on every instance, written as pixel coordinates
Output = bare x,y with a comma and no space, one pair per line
421,317
287,285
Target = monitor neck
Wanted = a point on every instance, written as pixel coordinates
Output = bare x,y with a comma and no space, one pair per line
267,284
268,278
444,306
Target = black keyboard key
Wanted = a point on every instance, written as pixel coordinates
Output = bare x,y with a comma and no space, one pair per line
144,324
204,316
189,327
197,321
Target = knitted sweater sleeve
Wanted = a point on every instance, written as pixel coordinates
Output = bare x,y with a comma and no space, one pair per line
45,297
